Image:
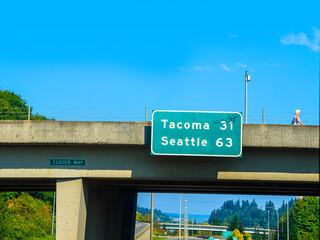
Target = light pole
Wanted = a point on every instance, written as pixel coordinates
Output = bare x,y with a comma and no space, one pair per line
180,217
247,79
277,220
185,221
184,216
268,227
151,218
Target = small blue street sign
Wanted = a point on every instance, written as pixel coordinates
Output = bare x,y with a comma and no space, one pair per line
67,162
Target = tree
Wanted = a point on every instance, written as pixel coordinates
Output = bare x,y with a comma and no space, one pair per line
304,219
235,223
236,233
138,217
248,213
146,217
13,107
25,216
215,221
5,217
29,217
246,236
240,227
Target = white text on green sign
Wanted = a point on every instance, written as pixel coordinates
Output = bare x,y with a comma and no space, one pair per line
196,133
67,162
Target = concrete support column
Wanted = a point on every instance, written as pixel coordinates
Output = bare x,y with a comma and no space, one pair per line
71,209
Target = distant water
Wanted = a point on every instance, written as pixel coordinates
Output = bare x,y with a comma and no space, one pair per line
199,218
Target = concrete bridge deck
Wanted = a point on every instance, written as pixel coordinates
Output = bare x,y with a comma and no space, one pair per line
98,200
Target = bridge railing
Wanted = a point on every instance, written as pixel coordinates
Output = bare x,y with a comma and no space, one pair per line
142,114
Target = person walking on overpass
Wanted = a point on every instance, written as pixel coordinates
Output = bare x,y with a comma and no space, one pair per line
296,119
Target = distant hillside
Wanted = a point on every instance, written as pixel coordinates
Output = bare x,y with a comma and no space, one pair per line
249,213
158,215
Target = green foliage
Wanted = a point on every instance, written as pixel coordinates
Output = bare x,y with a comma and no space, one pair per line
158,215
140,218
303,219
236,233
47,237
215,221
235,223
248,213
146,218
46,197
5,217
9,195
13,107
24,218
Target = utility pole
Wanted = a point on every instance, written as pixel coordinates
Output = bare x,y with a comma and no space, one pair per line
247,79
180,217
151,219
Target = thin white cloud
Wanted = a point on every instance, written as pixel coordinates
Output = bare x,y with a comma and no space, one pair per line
196,68
242,65
302,39
224,67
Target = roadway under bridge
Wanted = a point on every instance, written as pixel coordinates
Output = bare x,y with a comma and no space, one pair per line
98,200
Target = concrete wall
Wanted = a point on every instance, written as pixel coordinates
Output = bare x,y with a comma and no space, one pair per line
138,133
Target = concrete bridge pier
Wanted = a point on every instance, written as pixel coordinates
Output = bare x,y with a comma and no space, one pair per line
88,210
71,216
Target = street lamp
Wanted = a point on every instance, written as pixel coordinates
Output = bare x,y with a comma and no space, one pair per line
247,79
185,218
268,227
277,219
180,217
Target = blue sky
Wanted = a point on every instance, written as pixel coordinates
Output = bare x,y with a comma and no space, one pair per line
91,57
203,204
188,55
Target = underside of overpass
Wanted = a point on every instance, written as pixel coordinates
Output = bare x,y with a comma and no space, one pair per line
98,200
292,188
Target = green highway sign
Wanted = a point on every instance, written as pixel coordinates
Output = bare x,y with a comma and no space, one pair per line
67,162
188,133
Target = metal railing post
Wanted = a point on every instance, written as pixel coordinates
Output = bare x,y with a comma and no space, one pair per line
29,113
263,116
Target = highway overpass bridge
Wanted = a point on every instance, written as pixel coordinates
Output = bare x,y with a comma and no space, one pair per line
211,228
97,200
